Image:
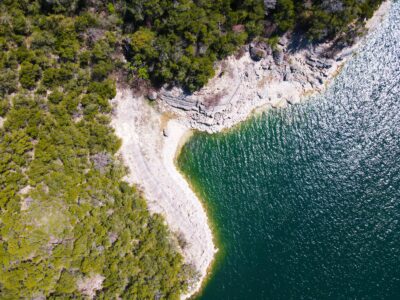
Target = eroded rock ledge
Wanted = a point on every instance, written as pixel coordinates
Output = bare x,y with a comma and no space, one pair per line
261,77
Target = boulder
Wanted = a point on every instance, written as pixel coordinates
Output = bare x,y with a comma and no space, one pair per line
269,4
257,53
202,48
152,95
278,56
259,50
238,28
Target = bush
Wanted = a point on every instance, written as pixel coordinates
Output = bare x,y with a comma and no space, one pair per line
101,70
29,75
284,15
8,82
55,97
4,107
43,40
53,77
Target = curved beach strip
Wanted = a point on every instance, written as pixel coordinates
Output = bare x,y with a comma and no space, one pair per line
149,155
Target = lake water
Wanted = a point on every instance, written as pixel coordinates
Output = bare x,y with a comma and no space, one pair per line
305,201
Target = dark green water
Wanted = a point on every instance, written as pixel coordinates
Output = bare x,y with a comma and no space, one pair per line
306,200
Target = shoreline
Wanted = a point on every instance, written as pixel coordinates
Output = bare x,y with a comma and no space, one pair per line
242,85
208,273
150,158
153,137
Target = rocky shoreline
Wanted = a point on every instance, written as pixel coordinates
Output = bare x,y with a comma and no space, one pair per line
261,77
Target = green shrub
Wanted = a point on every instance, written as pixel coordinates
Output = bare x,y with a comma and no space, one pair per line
29,75
4,107
55,97
101,70
8,82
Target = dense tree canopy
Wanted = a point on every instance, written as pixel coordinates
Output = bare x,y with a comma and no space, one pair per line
178,42
322,19
66,217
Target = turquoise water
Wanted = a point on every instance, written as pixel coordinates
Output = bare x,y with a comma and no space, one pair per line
306,200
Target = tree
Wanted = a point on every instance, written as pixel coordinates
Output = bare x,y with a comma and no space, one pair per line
8,82
284,15
29,75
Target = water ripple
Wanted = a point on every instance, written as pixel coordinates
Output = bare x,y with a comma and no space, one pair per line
306,200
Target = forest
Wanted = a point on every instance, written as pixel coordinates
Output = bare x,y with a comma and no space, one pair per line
69,225
178,42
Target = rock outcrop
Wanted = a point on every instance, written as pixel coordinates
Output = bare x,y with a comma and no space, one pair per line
89,285
262,77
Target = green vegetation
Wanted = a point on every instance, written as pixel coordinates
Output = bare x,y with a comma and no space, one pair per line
322,19
66,216
178,42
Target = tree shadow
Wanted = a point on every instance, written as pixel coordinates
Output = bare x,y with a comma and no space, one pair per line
298,41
